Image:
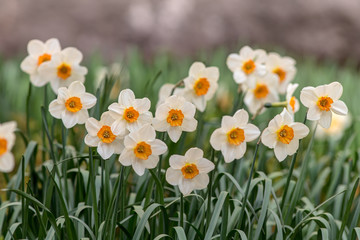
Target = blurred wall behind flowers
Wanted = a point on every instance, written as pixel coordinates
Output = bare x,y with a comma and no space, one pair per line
325,28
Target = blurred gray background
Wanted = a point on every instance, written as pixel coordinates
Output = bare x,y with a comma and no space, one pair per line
324,28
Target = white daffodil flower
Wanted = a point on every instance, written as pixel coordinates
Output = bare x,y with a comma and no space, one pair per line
337,129
283,134
292,104
142,150
130,112
189,172
174,116
64,68
165,92
7,140
322,101
247,64
72,104
100,136
283,67
201,84
233,135
264,91
39,53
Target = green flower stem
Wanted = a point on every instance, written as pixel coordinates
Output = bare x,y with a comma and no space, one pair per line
208,210
92,179
28,111
64,164
241,220
181,210
292,165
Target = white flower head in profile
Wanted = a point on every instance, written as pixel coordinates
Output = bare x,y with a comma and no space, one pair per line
142,150
64,68
189,172
201,84
7,140
247,64
39,53
283,67
232,136
322,102
283,134
130,112
264,91
100,136
174,116
72,104
337,129
292,104
165,92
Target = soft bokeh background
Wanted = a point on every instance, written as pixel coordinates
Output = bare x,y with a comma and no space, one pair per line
324,28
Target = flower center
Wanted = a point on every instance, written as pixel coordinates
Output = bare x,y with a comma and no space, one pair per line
292,103
236,136
64,71
189,171
142,150
261,90
324,103
201,86
175,117
285,134
281,74
130,114
43,58
249,66
3,146
73,104
106,135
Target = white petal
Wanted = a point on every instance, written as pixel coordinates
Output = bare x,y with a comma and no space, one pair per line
38,80
91,141
228,122
268,138
118,145
107,119
127,157
35,47
189,125
76,88
280,151
199,102
88,100
126,97
149,163
173,177
188,110
186,186
158,147
162,111
142,105
239,77
204,165
193,154
308,96
72,55
211,73
53,45
292,147
69,119
314,113
92,126
300,130
147,132
160,125
229,152
325,119
251,132
177,161
105,150
82,116
339,107
196,68
29,65
241,117
200,181
233,61
174,133
138,167
335,90
7,162
56,109
240,150
117,108
119,127
218,138
287,118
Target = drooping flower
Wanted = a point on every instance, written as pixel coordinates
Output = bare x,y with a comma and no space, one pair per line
165,92
190,172
64,68
142,150
130,112
39,53
100,136
322,101
264,91
337,128
7,140
283,67
283,134
72,104
233,135
292,104
174,116
247,64
201,84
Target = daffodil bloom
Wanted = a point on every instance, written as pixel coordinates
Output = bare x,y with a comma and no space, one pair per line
142,150
39,53
174,116
7,140
233,135
247,64
283,67
322,101
283,134
72,104
100,136
189,172
130,112
165,92
292,104
63,68
337,128
264,91
201,84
